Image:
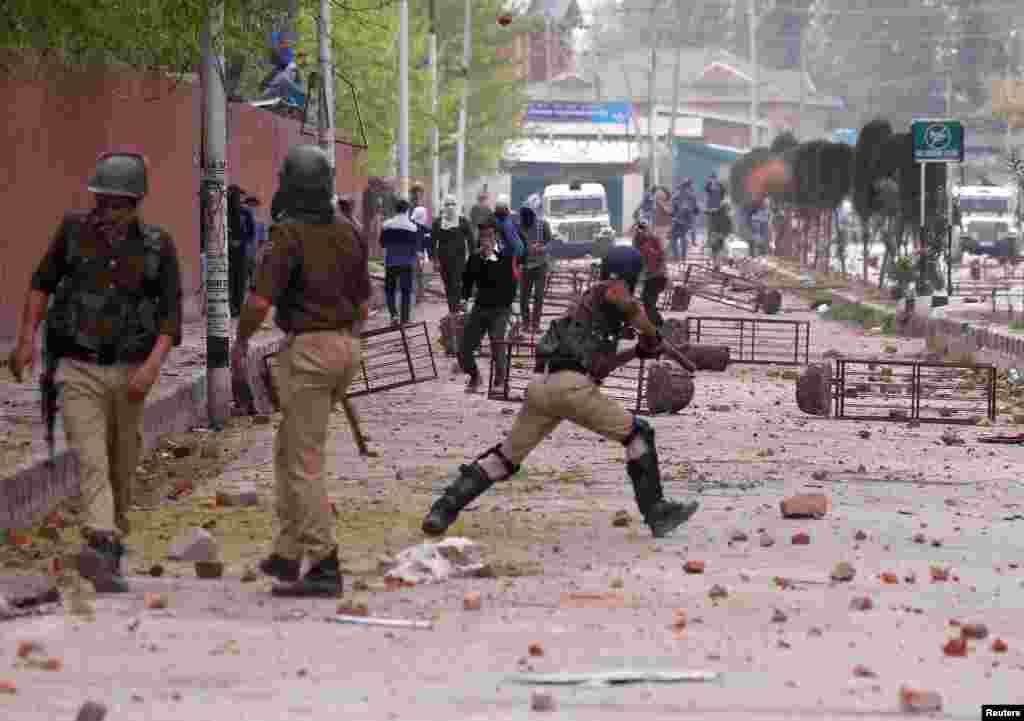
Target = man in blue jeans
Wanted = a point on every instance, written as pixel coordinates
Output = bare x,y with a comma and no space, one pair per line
401,244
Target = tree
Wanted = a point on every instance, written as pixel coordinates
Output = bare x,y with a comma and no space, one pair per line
366,59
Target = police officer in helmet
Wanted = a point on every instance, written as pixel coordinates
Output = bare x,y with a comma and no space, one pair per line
316,274
573,357
116,313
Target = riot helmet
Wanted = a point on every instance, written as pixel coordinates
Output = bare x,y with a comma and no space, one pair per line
121,174
623,263
306,168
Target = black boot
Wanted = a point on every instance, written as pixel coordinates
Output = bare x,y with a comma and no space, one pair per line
472,481
281,568
100,562
662,516
321,581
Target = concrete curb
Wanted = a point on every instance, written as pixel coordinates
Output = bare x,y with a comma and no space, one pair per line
34,490
958,336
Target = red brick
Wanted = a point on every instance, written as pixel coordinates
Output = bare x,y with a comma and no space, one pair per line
694,566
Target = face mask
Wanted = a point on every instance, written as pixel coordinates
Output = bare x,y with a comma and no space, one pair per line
450,212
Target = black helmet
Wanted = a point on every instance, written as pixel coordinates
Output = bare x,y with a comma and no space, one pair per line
121,174
306,168
623,262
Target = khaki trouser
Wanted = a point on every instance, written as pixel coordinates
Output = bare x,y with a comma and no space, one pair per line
315,369
558,397
102,429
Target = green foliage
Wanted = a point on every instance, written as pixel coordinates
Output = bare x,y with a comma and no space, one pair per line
1017,325
821,297
157,34
863,315
366,55
164,35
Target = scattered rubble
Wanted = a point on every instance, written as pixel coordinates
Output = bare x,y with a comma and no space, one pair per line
843,571
766,540
860,536
621,519
245,494
955,647
975,631
717,592
805,505
861,603
862,671
155,601
779,616
738,536
209,569
91,711
535,649
436,562
919,700
694,566
1000,646
194,544
801,539
542,701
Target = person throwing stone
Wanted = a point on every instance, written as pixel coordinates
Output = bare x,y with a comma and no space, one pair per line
573,357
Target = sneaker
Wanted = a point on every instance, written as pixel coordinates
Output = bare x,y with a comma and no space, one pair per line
281,568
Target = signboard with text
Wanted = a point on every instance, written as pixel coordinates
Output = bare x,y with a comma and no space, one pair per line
561,112
938,141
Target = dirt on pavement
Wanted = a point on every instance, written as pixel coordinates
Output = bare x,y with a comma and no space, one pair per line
568,579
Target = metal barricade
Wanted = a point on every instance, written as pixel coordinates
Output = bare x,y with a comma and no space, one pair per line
753,340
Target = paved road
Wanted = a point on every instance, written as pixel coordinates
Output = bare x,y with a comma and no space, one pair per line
226,650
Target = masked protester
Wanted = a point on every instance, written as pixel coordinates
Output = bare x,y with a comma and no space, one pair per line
116,313
533,277
317,277
452,237
574,356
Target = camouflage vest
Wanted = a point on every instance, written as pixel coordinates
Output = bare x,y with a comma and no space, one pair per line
587,335
115,319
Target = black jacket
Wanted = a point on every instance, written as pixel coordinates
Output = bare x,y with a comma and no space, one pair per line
494,281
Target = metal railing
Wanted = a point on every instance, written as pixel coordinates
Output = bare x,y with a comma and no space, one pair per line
754,340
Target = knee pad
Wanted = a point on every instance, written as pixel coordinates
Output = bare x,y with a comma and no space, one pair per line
640,440
494,463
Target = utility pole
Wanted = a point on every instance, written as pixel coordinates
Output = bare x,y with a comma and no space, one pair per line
675,86
803,80
403,93
435,133
651,115
547,56
215,218
460,155
755,83
326,115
